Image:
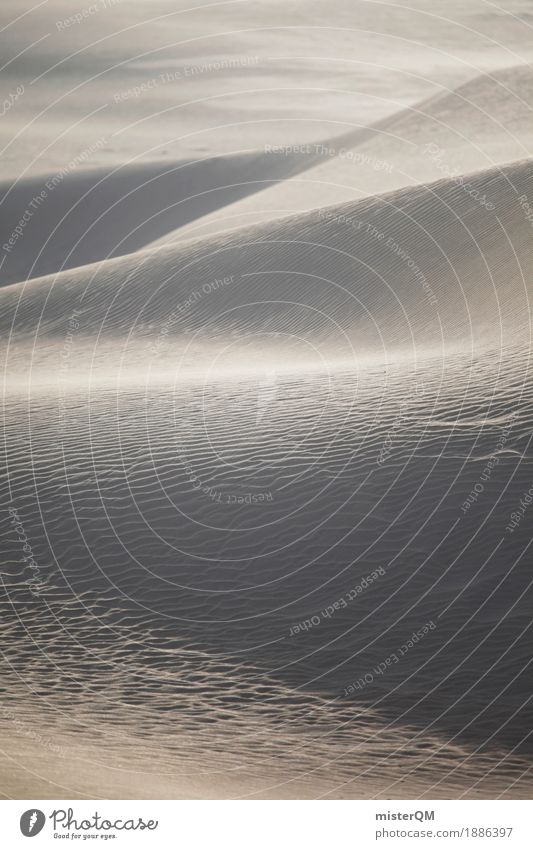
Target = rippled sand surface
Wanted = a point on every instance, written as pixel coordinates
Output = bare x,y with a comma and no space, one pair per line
267,474
199,605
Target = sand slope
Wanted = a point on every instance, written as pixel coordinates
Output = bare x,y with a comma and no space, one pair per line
417,272
268,477
484,122
97,214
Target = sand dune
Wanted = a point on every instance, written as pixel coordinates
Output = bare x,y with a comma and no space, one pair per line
485,122
418,273
272,473
93,215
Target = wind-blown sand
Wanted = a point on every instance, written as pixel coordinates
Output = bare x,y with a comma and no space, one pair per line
268,420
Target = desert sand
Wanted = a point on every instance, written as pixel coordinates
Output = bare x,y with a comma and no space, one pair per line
265,284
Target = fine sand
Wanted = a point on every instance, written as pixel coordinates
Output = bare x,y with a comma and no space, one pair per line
267,417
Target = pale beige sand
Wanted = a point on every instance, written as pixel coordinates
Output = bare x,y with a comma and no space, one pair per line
338,328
